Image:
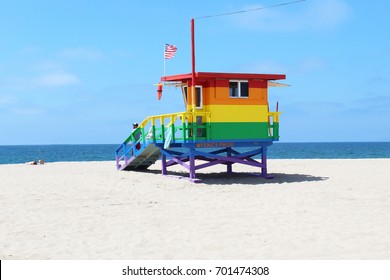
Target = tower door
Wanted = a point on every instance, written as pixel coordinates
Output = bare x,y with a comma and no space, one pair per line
198,98
199,131
199,106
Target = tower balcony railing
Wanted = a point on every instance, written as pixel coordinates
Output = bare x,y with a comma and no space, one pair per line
182,127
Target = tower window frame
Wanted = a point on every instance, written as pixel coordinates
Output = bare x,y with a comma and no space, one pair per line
198,96
238,88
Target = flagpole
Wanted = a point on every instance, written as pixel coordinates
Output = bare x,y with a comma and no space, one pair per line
193,64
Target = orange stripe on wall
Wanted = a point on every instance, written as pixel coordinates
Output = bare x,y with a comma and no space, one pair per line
220,96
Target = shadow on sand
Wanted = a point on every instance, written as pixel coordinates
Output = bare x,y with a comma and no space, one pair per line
256,179
249,178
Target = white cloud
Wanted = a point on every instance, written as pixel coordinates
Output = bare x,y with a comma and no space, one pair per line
305,65
47,66
264,67
48,79
10,84
311,63
315,14
28,111
378,80
327,13
81,53
6,99
56,80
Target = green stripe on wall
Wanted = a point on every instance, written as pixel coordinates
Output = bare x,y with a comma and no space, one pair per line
239,131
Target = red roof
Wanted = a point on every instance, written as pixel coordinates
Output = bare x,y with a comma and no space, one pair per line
213,75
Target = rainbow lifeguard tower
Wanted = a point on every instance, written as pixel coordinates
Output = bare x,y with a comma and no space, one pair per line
226,121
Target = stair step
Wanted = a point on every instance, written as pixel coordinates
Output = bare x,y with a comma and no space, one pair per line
147,157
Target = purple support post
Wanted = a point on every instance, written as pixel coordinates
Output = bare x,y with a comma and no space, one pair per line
125,154
164,164
229,165
264,163
192,165
118,166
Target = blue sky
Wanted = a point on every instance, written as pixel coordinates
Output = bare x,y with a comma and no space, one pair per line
79,72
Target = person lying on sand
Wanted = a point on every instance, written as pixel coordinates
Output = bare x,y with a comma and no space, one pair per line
34,162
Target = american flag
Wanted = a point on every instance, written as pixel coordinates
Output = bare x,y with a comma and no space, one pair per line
170,51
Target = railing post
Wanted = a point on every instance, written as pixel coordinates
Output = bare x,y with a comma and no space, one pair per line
276,130
193,123
162,128
154,133
173,128
184,131
143,136
208,127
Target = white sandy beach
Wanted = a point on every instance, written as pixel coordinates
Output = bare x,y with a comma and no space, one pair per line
312,209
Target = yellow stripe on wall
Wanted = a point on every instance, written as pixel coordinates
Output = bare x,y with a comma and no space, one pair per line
237,113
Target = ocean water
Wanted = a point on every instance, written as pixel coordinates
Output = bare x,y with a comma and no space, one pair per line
106,152
55,153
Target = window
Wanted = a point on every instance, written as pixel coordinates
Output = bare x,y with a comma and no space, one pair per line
198,96
238,88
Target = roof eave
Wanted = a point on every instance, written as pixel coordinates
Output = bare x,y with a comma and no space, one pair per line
215,75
